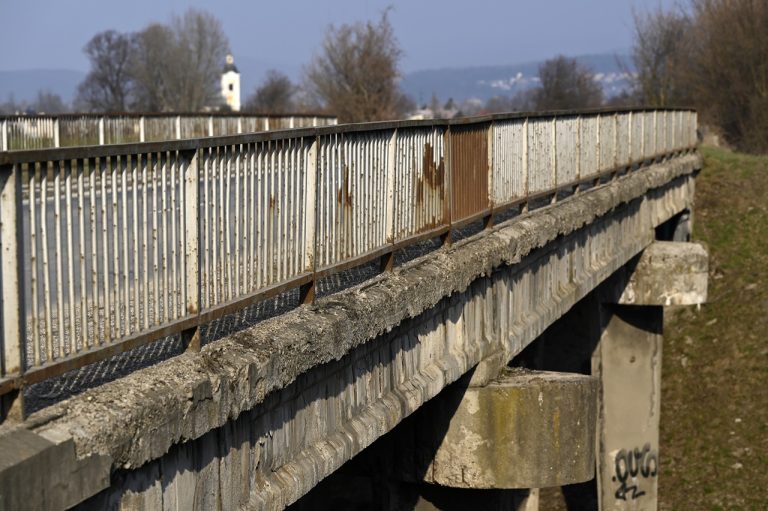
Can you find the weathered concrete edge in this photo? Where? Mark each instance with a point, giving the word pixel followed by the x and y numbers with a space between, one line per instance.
pixel 139 417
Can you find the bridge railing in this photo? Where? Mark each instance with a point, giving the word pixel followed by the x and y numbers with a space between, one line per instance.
pixel 19 132
pixel 106 248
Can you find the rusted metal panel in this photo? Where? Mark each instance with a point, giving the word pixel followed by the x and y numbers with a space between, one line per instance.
pixel 419 181
pixel 469 171
pixel 352 213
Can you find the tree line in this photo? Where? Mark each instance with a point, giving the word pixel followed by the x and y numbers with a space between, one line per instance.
pixel 709 54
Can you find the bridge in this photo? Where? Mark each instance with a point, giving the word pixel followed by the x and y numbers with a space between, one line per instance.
pixel 19 132
pixel 497 330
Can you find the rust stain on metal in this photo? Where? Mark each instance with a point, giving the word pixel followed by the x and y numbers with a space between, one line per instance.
pixel 469 171
pixel 344 196
pixel 432 174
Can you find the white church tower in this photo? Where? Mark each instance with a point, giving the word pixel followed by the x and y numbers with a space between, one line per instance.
pixel 230 84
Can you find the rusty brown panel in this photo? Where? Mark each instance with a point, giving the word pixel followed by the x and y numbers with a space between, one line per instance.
pixel 469 170
pixel 430 190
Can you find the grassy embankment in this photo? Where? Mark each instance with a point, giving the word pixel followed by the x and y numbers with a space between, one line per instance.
pixel 714 429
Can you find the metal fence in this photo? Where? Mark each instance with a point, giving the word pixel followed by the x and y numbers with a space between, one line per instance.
pixel 19 132
pixel 107 248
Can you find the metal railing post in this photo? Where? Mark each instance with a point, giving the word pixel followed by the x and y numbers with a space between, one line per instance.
pixel 291 122
pixel 447 238
pixel 4 135
pixel 266 124
pixel 178 127
pixel 307 291
pixel 142 130
pixel 578 155
pixel 101 130
pixel 193 290
pixel 554 160
pixel 526 187
pixel 488 220
pixel 56 133
pixel 387 262
pixel 14 323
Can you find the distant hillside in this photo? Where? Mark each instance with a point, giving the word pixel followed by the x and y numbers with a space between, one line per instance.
pixel 23 85
pixel 460 83
pixel 487 81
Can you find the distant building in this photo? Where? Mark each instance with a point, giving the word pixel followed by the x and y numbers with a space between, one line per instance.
pixel 230 84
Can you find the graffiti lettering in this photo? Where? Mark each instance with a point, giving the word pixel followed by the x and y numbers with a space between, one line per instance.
pixel 631 464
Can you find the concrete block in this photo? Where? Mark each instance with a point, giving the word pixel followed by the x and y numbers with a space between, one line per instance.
pixel 669 273
pixel 43 471
pixel 523 430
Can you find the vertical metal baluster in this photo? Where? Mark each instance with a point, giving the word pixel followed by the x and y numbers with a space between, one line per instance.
pixel 128 324
pixel 215 237
pixel 252 198
pixel 164 223
pixel 135 162
pixel 57 253
pixel 176 184
pixel 207 274
pixel 144 231
pixel 154 166
pixel 263 213
pixel 227 219
pixel 70 256
pixel 114 164
pixel 238 149
pixel 81 238
pixel 107 328
pixel 46 269
pixel 272 207
pixel 33 179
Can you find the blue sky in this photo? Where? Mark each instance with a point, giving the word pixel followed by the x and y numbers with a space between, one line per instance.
pixel 284 34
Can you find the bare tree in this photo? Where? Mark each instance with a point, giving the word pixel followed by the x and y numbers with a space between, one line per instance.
pixel 153 83
pixel 177 67
pixel 729 71
pixel 49 103
pixel 107 85
pixel 201 47
pixel 566 84
pixel 274 95
pixel 660 54
pixel 356 75
pixel 522 100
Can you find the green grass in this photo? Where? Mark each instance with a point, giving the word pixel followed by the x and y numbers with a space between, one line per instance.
pixel 714 429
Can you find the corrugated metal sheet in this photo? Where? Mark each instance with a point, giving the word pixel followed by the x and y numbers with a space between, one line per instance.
pixel 509 159
pixel 469 171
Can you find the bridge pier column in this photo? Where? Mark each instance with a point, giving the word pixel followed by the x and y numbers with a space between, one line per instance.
pixel 627 361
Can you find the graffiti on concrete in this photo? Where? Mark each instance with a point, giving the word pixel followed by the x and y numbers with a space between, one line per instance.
pixel 631 464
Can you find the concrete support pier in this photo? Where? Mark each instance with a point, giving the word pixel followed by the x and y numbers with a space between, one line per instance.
pixel 524 429
pixel 628 364
pixel 628 361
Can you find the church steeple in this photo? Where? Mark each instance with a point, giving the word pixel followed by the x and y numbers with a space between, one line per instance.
pixel 230 84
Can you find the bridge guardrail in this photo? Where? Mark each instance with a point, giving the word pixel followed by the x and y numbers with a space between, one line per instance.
pixel 21 132
pixel 105 248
